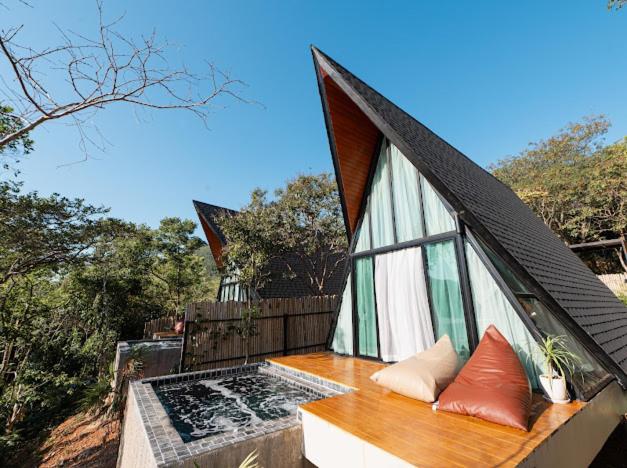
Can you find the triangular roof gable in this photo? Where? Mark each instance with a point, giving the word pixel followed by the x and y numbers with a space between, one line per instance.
pixel 492 210
pixel 208 214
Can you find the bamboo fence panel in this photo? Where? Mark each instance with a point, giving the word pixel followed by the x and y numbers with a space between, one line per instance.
pixel 285 326
pixel 616 282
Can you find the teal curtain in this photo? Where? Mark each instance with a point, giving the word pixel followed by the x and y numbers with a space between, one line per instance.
pixel 437 217
pixel 343 336
pixel 366 311
pixel 405 195
pixel 446 296
pixel 492 307
pixel 363 235
pixel 381 203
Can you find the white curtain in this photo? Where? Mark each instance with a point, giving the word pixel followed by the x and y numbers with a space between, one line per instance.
pixel 492 307
pixel 343 336
pixel 363 235
pixel 381 203
pixel 406 198
pixel 437 217
pixel 405 326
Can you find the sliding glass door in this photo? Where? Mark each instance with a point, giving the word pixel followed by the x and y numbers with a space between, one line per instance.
pixel 402 304
pixel 366 311
pixel 447 307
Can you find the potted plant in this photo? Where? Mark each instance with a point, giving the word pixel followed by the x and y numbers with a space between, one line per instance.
pixel 557 359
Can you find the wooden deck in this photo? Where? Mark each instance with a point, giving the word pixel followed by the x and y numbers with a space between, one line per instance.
pixel 410 429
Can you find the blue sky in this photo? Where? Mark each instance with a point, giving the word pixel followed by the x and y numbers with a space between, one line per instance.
pixel 489 77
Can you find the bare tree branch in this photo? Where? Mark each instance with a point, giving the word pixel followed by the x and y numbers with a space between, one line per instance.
pixel 102 70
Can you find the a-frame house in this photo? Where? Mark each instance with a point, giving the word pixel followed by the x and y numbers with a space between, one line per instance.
pixel 440 246
pixel 278 284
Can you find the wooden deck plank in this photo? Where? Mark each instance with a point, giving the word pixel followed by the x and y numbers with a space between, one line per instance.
pixel 410 429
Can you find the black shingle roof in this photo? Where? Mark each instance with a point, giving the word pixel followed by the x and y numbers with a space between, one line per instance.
pixel 495 212
pixel 280 284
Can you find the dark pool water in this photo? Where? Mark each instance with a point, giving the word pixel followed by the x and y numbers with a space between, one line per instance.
pixel 208 407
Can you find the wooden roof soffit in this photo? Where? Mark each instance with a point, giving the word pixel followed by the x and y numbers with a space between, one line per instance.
pixel 354 141
pixel 215 244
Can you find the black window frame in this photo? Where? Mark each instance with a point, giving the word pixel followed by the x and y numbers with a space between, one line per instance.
pixel 457 235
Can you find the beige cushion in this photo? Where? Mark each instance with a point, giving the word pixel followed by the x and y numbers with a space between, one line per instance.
pixel 424 375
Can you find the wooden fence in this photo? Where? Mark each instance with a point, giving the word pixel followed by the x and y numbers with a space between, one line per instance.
pixel 158 325
pixel 285 326
pixel 616 282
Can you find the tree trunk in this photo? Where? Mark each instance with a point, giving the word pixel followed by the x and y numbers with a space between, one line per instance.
pixel 17 413
pixel 6 358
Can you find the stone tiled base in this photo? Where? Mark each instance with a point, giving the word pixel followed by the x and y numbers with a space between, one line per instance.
pixel 166 443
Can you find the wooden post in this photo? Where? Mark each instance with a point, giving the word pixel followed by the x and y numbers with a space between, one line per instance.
pixel 285 333
pixel 185 332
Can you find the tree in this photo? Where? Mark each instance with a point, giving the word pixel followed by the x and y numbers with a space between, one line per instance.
pixel 41 231
pixel 36 233
pixel 575 183
pixel 39 238
pixel 74 283
pixel 82 75
pixel 311 228
pixel 10 124
pixel 249 246
pixel 178 268
pixel 302 223
pixel 615 4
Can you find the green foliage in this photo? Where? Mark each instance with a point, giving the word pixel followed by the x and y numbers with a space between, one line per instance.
pixel 623 298
pixel 10 123
pixel 576 184
pixel 615 4
pixel 208 260
pixel 557 357
pixel 176 265
pixel 246 327
pixel 73 283
pixel 38 232
pixel 303 221
pixel 249 236
pixel 133 370
pixel 94 395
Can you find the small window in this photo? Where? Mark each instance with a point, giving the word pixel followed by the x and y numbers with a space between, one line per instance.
pixel 380 203
pixel 406 195
pixel 437 217
pixel 363 235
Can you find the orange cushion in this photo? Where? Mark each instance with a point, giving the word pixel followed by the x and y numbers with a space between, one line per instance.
pixel 492 385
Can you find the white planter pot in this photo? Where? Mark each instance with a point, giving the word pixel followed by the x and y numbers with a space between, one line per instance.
pixel 554 388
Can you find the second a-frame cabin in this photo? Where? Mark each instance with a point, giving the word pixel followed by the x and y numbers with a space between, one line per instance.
pixel 278 283
pixel 438 246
